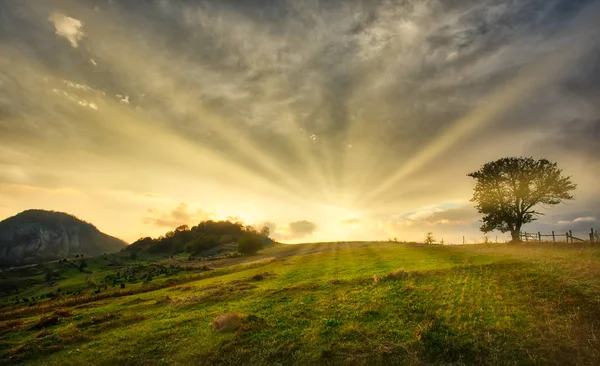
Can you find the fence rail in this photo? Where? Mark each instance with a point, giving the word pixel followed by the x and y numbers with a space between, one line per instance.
pixel 525 236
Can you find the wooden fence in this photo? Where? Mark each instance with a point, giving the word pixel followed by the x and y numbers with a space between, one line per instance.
pixel 525 236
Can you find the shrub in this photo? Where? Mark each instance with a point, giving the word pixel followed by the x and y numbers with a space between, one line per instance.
pixel 11 324
pixel 250 243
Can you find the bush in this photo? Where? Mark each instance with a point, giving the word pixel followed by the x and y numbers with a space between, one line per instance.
pixel 250 243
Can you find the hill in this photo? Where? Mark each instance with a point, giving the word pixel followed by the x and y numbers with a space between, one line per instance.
pixel 206 238
pixel 35 236
pixel 339 303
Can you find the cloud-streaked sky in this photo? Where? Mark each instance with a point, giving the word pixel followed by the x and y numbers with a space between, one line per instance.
pixel 324 120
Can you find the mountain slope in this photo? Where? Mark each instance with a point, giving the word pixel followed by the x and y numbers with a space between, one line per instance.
pixel 35 236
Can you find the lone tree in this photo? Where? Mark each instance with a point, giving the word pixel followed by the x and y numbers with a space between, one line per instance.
pixel 429 239
pixel 508 189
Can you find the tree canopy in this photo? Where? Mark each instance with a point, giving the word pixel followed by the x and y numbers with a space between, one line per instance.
pixel 508 190
pixel 202 237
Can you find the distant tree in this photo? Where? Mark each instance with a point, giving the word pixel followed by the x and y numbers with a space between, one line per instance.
pixel 508 189
pixel 429 239
pixel 250 243
pixel 265 231
pixel 182 228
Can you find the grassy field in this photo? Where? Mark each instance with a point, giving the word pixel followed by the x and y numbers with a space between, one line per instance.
pixel 337 303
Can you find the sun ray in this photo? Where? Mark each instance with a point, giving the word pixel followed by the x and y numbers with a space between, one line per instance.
pixel 176 93
pixel 530 79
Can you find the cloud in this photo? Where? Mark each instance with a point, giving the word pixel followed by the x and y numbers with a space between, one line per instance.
pixel 589 219
pixel 578 136
pixel 67 27
pixel 297 101
pixel 580 226
pixel 351 221
pixel 270 224
pixel 180 215
pixel 301 229
pixel 437 216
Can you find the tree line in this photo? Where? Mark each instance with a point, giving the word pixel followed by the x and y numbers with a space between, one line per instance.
pixel 205 236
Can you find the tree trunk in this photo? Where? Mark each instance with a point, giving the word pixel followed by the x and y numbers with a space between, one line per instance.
pixel 515 234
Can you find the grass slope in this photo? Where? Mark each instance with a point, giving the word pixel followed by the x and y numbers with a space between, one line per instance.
pixel 338 303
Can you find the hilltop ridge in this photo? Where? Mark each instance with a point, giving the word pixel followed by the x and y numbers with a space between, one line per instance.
pixel 35 236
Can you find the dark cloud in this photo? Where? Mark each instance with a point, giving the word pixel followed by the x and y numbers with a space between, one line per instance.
pixel 575 137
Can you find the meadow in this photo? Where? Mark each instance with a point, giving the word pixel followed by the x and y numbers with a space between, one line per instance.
pixel 327 303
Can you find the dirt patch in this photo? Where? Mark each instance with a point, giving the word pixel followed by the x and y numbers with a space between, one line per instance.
pixel 63 313
pixel 10 325
pixel 227 323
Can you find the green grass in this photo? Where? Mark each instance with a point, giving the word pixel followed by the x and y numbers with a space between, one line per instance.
pixel 338 303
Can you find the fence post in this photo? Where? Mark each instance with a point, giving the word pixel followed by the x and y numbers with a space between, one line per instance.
pixel 539 237
pixel 571 235
pixel 553 237
pixel 567 235
pixel 526 237
pixel 463 239
pixel 592 236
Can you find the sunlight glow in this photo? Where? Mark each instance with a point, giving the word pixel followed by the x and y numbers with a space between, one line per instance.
pixel 326 122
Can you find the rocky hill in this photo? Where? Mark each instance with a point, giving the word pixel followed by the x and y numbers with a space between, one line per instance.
pixel 35 236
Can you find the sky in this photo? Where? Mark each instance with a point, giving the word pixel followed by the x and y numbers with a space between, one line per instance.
pixel 323 120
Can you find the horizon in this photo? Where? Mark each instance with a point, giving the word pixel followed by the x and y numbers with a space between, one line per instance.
pixel 344 121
